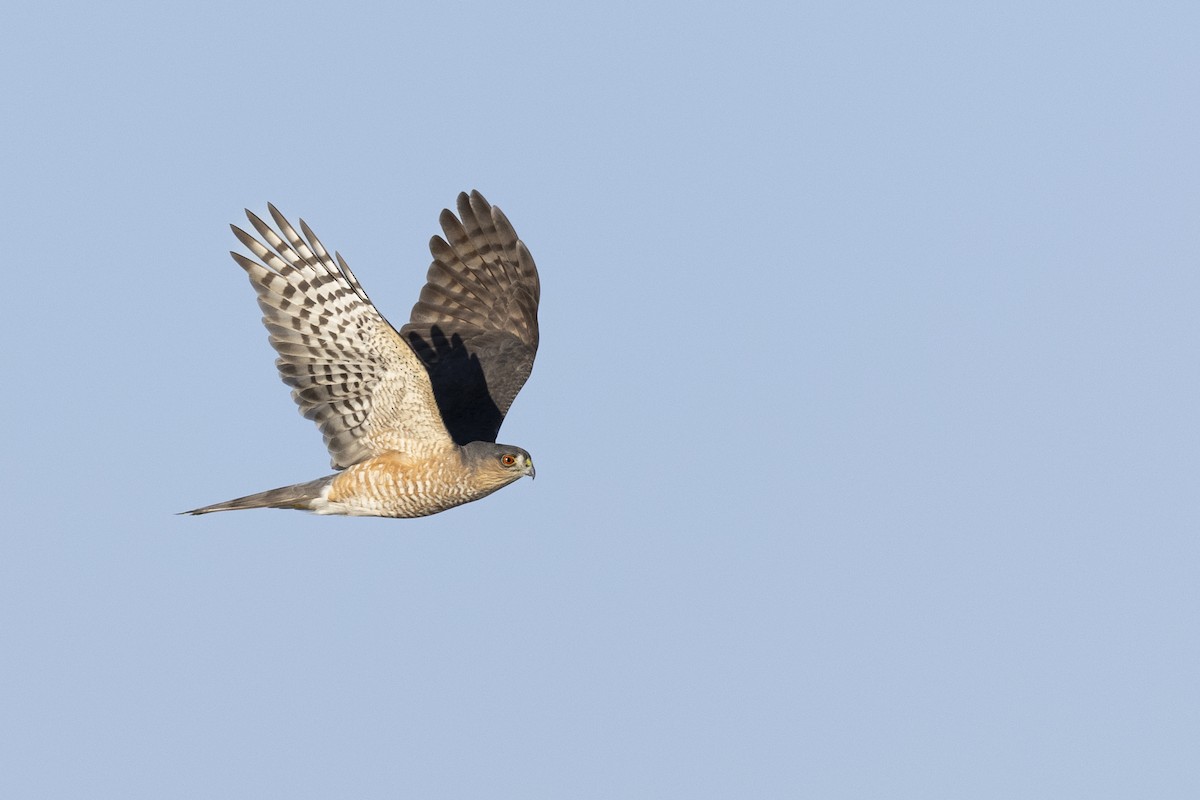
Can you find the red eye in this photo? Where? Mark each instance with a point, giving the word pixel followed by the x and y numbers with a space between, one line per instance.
pixel 508 459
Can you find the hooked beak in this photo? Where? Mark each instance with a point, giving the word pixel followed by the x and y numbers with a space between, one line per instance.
pixel 529 470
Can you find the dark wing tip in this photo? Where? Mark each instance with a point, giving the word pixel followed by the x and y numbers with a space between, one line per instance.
pixel 244 237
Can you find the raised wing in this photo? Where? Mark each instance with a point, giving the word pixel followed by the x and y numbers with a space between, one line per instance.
pixel 349 370
pixel 475 326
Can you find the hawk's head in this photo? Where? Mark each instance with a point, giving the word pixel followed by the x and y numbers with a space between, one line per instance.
pixel 496 465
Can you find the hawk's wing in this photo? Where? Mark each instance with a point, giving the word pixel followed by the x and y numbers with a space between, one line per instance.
pixel 475 326
pixel 349 370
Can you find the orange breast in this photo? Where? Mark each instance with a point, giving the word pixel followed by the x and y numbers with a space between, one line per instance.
pixel 396 484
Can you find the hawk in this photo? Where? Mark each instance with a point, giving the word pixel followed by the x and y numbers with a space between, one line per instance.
pixel 410 417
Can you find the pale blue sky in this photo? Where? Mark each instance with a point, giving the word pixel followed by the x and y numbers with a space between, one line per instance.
pixel 865 415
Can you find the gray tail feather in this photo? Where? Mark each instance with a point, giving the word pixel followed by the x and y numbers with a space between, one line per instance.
pixel 299 495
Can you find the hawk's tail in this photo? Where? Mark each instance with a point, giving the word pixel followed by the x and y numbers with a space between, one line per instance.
pixel 299 495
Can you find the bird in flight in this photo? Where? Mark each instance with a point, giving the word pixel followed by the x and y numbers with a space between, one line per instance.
pixel 410 416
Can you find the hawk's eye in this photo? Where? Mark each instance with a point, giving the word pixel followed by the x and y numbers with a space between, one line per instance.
pixel 508 459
